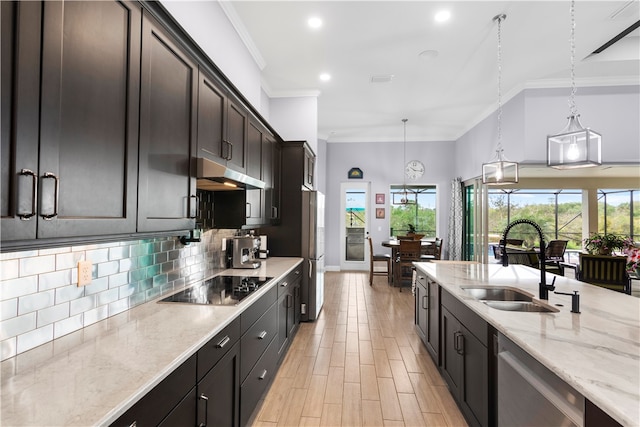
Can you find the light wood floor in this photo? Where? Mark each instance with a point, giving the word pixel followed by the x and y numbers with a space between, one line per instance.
pixel 360 364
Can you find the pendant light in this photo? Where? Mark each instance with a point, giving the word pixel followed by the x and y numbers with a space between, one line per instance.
pixel 499 170
pixel 404 195
pixel 575 146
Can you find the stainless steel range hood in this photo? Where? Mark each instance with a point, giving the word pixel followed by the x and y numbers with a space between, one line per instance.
pixel 213 176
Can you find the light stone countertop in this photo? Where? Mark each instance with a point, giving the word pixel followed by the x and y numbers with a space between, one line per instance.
pixel 92 376
pixel 596 351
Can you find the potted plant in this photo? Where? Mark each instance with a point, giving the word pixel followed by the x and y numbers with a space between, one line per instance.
pixel 603 243
pixel 632 251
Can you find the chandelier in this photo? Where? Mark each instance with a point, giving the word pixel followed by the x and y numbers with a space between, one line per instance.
pixel 499 170
pixel 405 195
pixel 575 146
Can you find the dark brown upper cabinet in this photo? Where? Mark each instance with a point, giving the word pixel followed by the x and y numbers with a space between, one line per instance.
pixel 222 124
pixel 69 150
pixel 168 108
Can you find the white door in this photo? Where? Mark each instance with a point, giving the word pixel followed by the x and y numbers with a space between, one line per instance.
pixel 354 221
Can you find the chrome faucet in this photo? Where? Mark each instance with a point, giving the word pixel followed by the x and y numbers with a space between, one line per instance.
pixel 543 287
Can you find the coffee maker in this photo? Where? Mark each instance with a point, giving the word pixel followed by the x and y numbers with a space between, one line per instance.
pixel 245 252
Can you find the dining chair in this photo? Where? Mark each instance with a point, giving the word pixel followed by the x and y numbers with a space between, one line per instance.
pixel 373 258
pixel 408 253
pixel 432 251
pixel 554 255
pixel 605 271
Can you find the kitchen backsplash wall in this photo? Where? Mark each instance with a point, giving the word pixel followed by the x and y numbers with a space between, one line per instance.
pixel 40 299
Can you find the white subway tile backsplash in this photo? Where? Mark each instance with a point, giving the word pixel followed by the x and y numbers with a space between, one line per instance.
pixel 8 348
pixel 56 279
pixel 9 269
pixel 8 308
pixel 34 302
pixel 67 293
pixel 17 325
pixel 68 325
pixel 95 315
pixel 18 287
pixel 119 306
pixel 108 268
pixel 40 300
pixel 37 265
pixel 68 260
pixel 34 338
pixel 53 314
pixel 107 296
pixel 81 305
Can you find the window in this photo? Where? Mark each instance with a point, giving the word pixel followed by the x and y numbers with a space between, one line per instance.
pixel 420 212
pixel 619 212
pixel 558 212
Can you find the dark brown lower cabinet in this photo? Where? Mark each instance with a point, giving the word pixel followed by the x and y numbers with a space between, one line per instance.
pixel 218 392
pixel 257 381
pixel 465 359
pixel 172 402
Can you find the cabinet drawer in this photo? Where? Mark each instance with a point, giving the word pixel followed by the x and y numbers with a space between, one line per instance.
pixel 257 309
pixel 217 347
pixel 156 404
pixel 256 340
pixel 256 383
pixel 286 284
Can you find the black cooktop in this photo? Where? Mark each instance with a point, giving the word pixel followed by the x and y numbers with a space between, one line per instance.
pixel 219 290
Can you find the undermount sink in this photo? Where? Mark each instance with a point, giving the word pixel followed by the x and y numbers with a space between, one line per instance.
pixel 498 294
pixel 526 306
pixel 509 299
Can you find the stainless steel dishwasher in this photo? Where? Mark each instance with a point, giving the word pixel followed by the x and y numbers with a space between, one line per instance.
pixel 529 394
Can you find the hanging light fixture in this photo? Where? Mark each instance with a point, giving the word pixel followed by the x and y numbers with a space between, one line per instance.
pixel 575 146
pixel 499 170
pixel 405 198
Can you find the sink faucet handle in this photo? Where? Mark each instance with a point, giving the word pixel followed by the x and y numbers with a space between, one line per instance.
pixel 575 300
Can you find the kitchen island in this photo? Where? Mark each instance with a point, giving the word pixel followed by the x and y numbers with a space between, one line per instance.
pixel 94 375
pixel 596 351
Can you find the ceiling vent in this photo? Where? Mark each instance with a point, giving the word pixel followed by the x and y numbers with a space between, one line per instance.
pixel 382 78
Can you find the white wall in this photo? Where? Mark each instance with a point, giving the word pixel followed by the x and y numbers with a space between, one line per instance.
pixel 534 113
pixel 296 119
pixel 382 164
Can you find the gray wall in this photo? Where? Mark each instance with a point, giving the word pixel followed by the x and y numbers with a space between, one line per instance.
pixel 382 164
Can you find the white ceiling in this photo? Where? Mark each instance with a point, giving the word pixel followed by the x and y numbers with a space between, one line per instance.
pixel 442 96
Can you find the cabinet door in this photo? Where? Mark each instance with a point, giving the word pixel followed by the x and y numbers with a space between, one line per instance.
pixel 255 197
pixel 475 387
pixel 21 23
pixel 167 192
pixel 89 118
pixel 433 321
pixel 421 308
pixel 451 351
pixel 219 392
pixel 273 213
pixel 211 118
pixel 236 135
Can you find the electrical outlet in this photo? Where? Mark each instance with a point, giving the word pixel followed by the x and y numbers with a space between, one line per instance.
pixel 84 273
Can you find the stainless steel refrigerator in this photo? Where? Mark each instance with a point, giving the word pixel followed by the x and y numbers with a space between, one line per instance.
pixel 312 239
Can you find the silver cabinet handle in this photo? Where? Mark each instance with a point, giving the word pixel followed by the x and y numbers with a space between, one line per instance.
pixel 264 374
pixel 424 298
pixel 34 194
pixel 224 341
pixel 193 208
pixel 229 150
pixel 274 212
pixel 284 284
pixel 248 210
pixel 262 335
pixel 49 175
pixel 206 409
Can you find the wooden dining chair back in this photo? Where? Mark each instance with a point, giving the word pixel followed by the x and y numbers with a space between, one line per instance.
pixel 555 251
pixel 605 271
pixel 378 258
pixel 432 251
pixel 409 252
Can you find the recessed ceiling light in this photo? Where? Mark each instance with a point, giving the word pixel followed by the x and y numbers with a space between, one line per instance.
pixel 314 22
pixel 442 16
pixel 325 77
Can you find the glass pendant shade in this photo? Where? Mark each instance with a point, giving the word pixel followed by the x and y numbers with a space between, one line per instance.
pixel 499 171
pixel 574 147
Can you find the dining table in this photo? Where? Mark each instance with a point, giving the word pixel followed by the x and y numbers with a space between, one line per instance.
pixel 394 244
